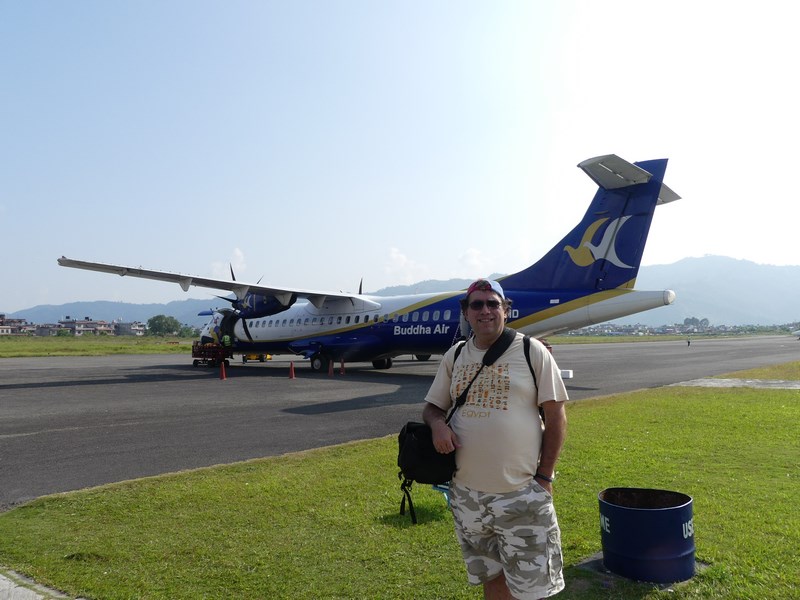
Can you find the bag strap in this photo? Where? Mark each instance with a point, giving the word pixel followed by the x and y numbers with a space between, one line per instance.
pixel 527 346
pixel 495 351
pixel 499 347
pixel 462 397
pixel 405 487
pixel 458 350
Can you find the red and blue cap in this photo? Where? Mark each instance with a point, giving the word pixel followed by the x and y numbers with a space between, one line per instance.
pixel 485 285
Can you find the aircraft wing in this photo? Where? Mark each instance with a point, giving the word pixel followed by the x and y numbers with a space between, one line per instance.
pixel 239 288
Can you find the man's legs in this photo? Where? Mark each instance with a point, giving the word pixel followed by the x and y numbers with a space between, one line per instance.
pixel 512 538
pixel 497 589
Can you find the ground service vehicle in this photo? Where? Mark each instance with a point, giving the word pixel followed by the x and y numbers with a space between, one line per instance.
pixel 210 354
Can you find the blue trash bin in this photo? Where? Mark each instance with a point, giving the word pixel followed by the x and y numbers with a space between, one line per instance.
pixel 647 535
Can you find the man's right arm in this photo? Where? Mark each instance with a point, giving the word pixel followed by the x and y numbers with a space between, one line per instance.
pixel 444 439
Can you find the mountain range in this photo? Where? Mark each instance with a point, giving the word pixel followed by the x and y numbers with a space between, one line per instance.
pixel 725 291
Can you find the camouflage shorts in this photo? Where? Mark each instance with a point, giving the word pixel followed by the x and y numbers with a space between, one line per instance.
pixel 516 533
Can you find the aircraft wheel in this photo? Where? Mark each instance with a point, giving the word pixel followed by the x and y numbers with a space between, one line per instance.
pixel 262 358
pixel 195 362
pixel 422 357
pixel 382 363
pixel 319 362
pixel 244 359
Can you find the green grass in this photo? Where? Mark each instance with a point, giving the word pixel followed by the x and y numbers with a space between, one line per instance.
pixel 787 372
pixel 90 345
pixel 557 340
pixel 325 523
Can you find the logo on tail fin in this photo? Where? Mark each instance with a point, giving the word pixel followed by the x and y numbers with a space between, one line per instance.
pixel 587 253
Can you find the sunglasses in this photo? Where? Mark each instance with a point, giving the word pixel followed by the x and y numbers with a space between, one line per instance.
pixel 478 304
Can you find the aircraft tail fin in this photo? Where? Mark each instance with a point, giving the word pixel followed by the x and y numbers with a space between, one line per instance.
pixel 605 249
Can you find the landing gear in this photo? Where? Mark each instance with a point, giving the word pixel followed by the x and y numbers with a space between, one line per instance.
pixel 422 357
pixel 382 363
pixel 320 362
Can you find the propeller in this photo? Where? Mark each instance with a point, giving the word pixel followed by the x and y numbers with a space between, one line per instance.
pixel 233 302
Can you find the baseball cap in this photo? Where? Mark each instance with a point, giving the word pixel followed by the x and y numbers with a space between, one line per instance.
pixel 485 285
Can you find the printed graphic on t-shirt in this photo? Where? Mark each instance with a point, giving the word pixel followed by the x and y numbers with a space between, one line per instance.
pixel 490 390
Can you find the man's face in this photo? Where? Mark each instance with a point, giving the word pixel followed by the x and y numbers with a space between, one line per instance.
pixel 486 314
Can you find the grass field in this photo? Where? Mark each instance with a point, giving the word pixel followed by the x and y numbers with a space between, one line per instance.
pixel 86 345
pixel 326 523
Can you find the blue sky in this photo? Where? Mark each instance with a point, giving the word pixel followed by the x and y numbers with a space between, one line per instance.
pixel 314 143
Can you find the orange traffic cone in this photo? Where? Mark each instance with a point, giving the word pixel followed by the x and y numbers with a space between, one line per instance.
pixel 291 371
pixel 222 370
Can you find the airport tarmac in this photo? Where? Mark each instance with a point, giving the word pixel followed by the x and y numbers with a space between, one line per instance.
pixel 67 423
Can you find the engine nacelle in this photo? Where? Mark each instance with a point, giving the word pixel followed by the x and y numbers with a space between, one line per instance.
pixel 258 305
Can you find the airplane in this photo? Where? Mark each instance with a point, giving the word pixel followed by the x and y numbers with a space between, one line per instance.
pixel 586 278
pixel 797 333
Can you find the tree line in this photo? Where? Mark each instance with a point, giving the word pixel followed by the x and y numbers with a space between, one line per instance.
pixel 162 325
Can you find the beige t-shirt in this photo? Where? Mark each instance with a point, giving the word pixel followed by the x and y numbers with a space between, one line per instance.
pixel 498 426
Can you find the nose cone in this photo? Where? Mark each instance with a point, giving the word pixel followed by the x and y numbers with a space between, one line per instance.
pixel 669 297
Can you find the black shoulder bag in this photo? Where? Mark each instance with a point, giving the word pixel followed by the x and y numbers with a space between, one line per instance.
pixel 417 458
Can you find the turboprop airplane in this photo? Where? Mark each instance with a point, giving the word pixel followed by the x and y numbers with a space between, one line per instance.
pixel 586 278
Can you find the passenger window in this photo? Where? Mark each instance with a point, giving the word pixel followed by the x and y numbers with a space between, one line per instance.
pixel 436 314
pixel 415 316
pixel 284 323
pixel 347 320
pixel 426 315
pixel 395 317
pixel 339 320
pixel 447 315
pixel 405 317
pixel 358 317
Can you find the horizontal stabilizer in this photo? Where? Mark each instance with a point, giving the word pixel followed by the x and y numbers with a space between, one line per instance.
pixel 666 195
pixel 611 172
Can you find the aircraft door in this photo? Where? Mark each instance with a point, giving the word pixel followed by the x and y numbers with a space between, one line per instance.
pixel 227 324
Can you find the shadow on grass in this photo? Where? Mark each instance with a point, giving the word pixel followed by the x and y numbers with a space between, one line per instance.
pixel 590 579
pixel 426 511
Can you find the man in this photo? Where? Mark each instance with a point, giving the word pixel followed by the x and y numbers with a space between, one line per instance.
pixel 501 493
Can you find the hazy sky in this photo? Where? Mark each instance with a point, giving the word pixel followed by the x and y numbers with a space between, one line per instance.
pixel 313 143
